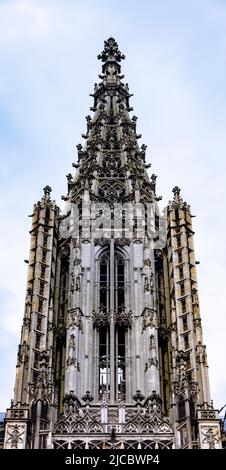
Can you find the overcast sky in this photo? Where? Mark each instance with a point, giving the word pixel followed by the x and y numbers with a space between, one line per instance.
pixel 176 67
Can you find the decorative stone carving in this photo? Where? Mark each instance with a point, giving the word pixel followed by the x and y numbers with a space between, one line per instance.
pixel 149 283
pixel 210 436
pixel 122 241
pixel 74 318
pixel 113 418
pixel 101 318
pixel 61 332
pixel 72 423
pixel 149 318
pixel 71 403
pixel 111 51
pixel 148 420
pixel 138 397
pixel 78 283
pixel 208 414
pixel 152 342
pixel 17 413
pixel 201 355
pixel 123 318
pixel 197 322
pixel 47 190
pixel 186 389
pixel 102 241
pixel 153 361
pixel 42 387
pixel 87 398
pixel 147 262
pixel 195 299
pixel 15 436
pixel 72 361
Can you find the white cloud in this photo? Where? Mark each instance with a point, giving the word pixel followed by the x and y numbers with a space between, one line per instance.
pixel 24 20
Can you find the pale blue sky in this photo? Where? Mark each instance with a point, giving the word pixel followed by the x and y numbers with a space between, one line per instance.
pixel 176 67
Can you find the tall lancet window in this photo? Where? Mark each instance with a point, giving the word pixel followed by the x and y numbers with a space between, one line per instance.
pixel 104 333
pixel 119 305
pixel 119 264
pixel 105 276
pixel 111 329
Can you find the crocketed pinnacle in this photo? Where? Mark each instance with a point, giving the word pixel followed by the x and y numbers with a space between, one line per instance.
pixel 111 151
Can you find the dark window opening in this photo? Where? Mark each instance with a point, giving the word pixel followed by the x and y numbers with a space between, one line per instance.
pixel 36 358
pixel 179 257
pixel 44 255
pixel 189 375
pixel 45 240
pixel 182 289
pixel 104 283
pixel 47 214
pixel 176 214
pixel 178 241
pixel 38 341
pixel 181 273
pixel 40 305
pixel 33 409
pixel 39 323
pixel 43 270
pixel 119 283
pixel 112 280
pixel 121 370
pixel 181 409
pixel 104 365
pixel 185 323
pixel 186 341
pixel 35 376
pixel 192 409
pixel 44 412
pixel 41 289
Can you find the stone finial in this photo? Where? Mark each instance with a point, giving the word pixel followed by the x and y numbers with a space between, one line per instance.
pixel 178 201
pixel 138 397
pixel 143 147
pixel 71 402
pixel 154 403
pixel 176 191
pixel 69 177
pixel 87 398
pixel 153 178
pixel 79 147
pixel 47 190
pixel 111 51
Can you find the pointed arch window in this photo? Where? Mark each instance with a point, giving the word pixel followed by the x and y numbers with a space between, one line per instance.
pixel 104 282
pixel 119 275
pixel 111 334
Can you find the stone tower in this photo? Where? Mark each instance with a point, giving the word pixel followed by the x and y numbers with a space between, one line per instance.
pixel 111 352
